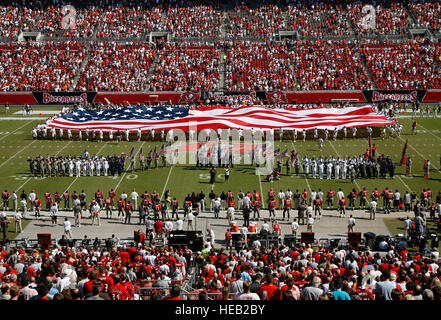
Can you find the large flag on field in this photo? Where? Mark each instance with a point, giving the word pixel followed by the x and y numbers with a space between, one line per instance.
pixel 213 117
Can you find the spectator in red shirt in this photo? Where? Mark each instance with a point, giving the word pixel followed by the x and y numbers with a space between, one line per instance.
pixel 268 289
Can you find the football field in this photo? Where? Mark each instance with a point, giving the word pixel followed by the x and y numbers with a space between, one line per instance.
pixel 17 145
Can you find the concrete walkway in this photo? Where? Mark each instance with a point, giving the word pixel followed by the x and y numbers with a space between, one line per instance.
pixel 329 226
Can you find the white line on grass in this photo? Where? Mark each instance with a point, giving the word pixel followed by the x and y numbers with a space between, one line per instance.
pixel 15 130
pixel 430 133
pixel 26 146
pixel 404 183
pixel 420 154
pixel 125 171
pixel 306 179
pixel 166 182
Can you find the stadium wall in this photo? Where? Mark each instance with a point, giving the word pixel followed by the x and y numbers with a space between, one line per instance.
pixel 18 98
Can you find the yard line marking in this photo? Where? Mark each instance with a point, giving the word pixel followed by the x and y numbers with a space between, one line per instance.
pixel 355 181
pixel 166 182
pixel 16 130
pixel 26 146
pixel 430 133
pixel 420 154
pixel 404 183
pixel 125 171
pixel 307 182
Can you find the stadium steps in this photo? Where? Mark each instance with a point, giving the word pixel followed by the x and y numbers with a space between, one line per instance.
pixel 86 58
pixel 221 53
pixel 151 72
pixel 366 69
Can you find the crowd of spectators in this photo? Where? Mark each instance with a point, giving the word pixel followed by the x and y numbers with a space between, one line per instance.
pixel 318 19
pixel 259 67
pixel 126 18
pixel 185 69
pixel 263 22
pixel 90 271
pixel 404 66
pixel 116 67
pixel 391 18
pixel 127 22
pixel 50 67
pixel 194 21
pixel 323 273
pixel 427 14
pixel 328 65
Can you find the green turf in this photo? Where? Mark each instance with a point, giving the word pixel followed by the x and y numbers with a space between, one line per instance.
pixel 16 145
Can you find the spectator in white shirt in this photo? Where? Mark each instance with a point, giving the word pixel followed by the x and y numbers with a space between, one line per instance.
pixel 17 218
pixel 294 227
pixel 14 201
pixel 32 197
pixel 134 197
pixel 309 223
pixel 54 213
pixel 67 228
pixel 23 207
pixel 340 194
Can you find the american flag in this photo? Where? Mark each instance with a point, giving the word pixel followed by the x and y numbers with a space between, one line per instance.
pixel 170 117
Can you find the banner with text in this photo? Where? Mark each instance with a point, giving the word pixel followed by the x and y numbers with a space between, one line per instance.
pixel 394 95
pixel 64 97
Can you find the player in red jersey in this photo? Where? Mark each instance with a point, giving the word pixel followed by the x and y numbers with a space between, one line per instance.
pixel 231 203
pixel 363 198
pixel 287 203
pixel 155 196
pixel 375 195
pixel 48 200
pixel 156 210
pixel 108 203
pixel 256 195
pixel 342 206
pixel 271 194
pixel 112 195
pixel 128 208
pixel 121 206
pixel 99 197
pixel 318 203
pixel 389 196
pixel 66 197
pixel 305 195
pixel 257 204
pixel 352 196
pixel 272 208
pixel 175 207
pixel 145 205
pixel 57 198
pixel 37 207
pixel 384 194
pixel 330 198
pixel 5 197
